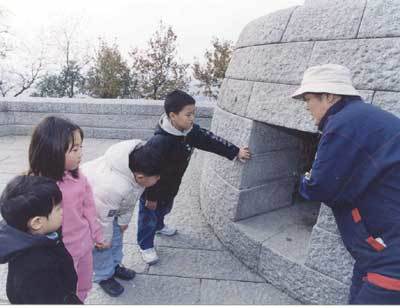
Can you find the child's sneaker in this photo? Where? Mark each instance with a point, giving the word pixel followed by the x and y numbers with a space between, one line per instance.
pixel 149 256
pixel 168 231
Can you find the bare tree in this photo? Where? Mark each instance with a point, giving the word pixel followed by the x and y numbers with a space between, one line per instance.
pixel 67 78
pixel 16 80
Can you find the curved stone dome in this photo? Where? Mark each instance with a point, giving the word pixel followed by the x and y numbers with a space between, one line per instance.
pixel 251 206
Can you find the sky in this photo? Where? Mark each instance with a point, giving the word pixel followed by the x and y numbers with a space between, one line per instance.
pixel 131 23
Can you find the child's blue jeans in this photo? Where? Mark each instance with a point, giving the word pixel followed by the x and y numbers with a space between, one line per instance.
pixel 105 261
pixel 149 221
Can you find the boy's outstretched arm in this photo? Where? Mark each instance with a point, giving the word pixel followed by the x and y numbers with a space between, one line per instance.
pixel 205 140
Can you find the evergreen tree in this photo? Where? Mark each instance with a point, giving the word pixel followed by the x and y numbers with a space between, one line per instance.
pixel 109 77
pixel 211 74
pixel 156 70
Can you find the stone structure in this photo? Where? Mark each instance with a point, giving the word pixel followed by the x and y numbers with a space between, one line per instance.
pixel 100 118
pixel 251 206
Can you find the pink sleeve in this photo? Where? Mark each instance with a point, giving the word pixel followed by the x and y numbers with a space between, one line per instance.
pixel 89 212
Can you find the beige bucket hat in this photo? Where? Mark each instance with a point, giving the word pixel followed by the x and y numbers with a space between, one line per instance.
pixel 327 78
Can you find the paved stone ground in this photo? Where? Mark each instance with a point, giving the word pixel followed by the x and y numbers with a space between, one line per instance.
pixel 194 267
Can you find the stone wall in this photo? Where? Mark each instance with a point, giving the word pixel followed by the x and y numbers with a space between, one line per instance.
pixel 255 108
pixel 99 118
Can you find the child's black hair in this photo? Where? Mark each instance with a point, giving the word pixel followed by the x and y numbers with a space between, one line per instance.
pixel 176 101
pixel 49 144
pixel 144 159
pixel 26 197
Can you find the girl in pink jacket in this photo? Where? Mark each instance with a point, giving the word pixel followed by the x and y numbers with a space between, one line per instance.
pixel 55 151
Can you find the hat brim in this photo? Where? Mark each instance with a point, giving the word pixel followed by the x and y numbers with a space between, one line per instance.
pixel 332 88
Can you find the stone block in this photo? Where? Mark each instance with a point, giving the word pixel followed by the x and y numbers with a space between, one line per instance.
pixel 7 130
pixel 93 120
pixel 3 277
pixel 245 248
pixel 326 220
pixel 222 292
pixel 261 138
pixel 116 133
pixel 6 118
pixel 37 105
pixel 270 166
pixel 324 21
pixel 374 63
pixel 203 122
pixel 204 109
pixel 231 127
pixel 224 197
pixel 109 108
pixel 381 19
pixel 275 63
pixel 327 255
pixel 270 225
pixel 234 96
pixel 299 281
pixel 23 130
pixel 201 264
pixel 272 104
pixel 292 242
pixel 389 101
pixel 3 105
pixel 150 108
pixel 239 204
pixel 266 29
pixel 267 138
pixel 273 195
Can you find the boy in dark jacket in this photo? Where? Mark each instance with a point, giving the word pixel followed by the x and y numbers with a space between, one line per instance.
pixel 175 138
pixel 40 269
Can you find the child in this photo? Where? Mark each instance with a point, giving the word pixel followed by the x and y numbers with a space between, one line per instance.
pixel 40 269
pixel 55 151
pixel 175 138
pixel 118 179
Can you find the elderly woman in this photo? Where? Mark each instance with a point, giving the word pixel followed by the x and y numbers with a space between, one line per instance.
pixel 356 172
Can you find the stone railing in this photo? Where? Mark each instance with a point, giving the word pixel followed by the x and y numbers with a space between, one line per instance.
pixel 99 118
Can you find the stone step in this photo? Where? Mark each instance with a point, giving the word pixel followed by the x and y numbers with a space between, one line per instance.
pixel 285 231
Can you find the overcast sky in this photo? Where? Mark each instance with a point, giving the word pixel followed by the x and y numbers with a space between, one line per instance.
pixel 132 22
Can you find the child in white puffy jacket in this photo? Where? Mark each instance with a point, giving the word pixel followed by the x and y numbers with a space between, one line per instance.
pixel 118 178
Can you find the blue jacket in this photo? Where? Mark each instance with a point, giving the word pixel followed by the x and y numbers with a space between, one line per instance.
pixel 356 172
pixel 40 269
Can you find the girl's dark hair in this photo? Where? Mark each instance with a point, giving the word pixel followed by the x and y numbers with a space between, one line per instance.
pixel 49 143
pixel 176 101
pixel 144 159
pixel 26 197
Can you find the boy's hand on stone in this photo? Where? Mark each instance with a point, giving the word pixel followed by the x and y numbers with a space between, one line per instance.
pixel 123 228
pixel 244 154
pixel 151 205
